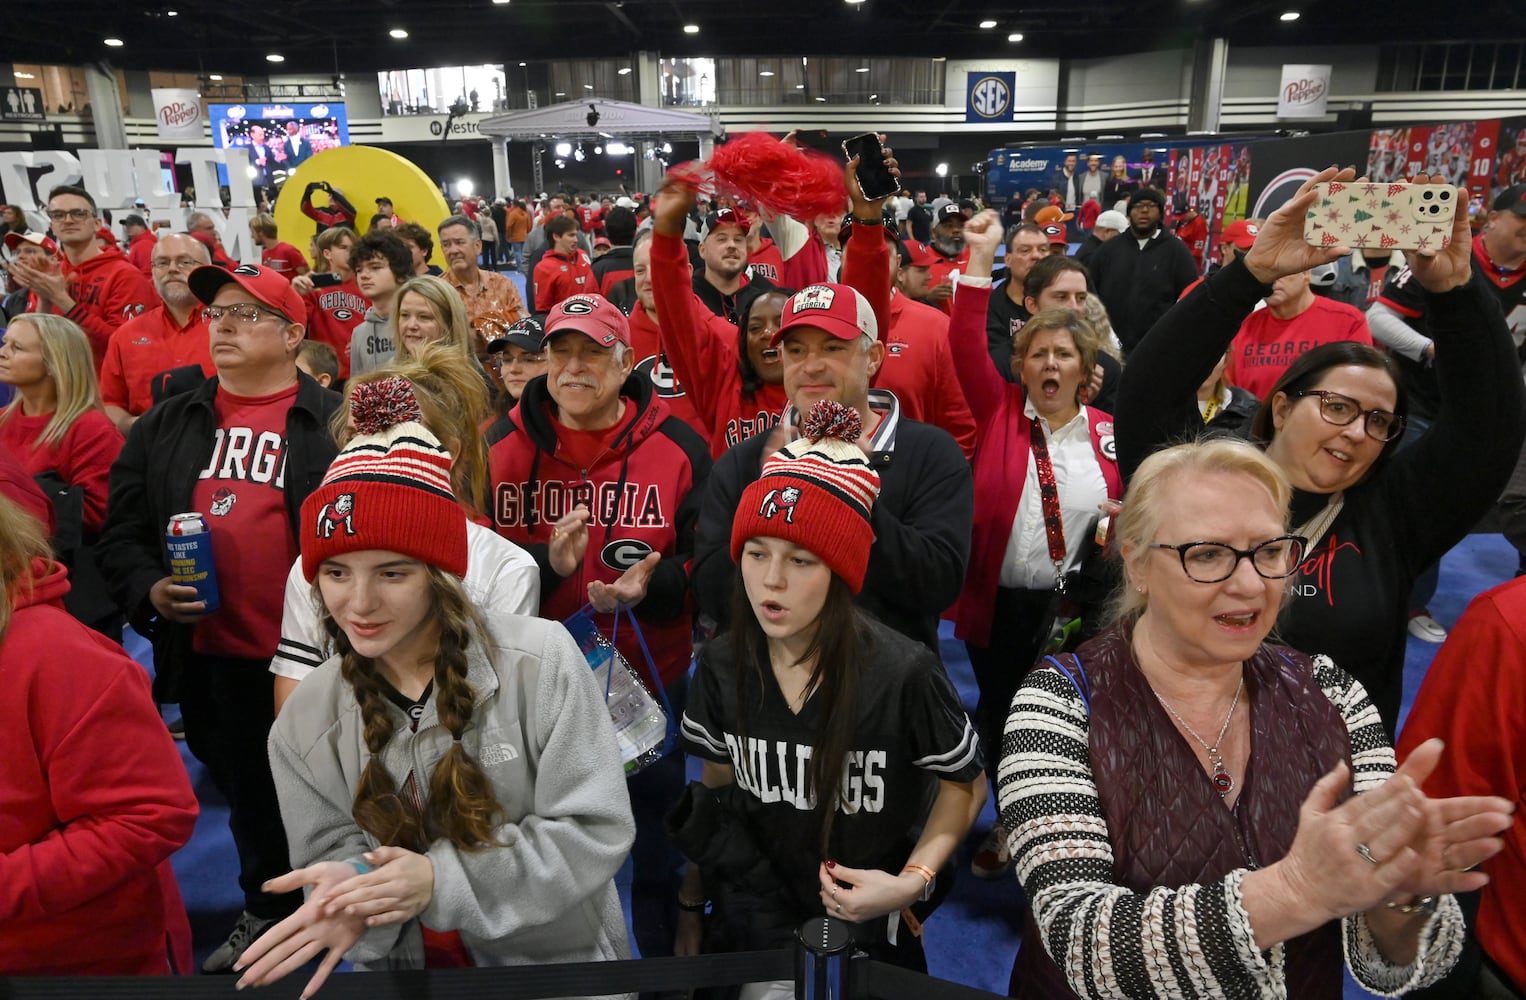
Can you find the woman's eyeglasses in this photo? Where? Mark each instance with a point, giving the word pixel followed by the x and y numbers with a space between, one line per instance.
pixel 1212 562
pixel 1343 410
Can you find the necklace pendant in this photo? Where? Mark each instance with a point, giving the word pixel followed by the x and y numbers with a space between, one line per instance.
pixel 1222 781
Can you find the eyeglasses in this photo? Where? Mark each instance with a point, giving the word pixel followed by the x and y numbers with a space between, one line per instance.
pixel 246 313
pixel 498 362
pixel 1342 410
pixel 1212 562
pixel 72 214
pixel 178 264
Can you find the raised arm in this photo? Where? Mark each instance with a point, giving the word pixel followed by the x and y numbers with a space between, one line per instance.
pixel 983 386
pixel 1157 398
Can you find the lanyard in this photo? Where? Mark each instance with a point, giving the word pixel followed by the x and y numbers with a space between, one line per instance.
pixel 1049 495
pixel 1211 408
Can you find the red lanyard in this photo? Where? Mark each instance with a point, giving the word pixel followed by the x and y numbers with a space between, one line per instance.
pixel 1049 495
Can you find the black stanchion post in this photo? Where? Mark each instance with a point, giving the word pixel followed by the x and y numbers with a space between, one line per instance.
pixel 821 960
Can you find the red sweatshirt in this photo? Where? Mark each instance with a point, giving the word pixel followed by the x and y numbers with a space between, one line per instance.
pixel 918 365
pixel 703 348
pixel 83 458
pixel 560 276
pixel 333 313
pixel 107 291
pixel 140 251
pixel 96 799
pixel 651 361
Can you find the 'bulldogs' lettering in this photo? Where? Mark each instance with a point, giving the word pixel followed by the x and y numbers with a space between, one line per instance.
pixel 778 771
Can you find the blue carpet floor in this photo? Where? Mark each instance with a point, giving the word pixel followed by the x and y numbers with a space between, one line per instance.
pixel 974 935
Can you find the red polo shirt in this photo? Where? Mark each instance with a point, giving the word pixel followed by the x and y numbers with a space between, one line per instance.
pixel 143 347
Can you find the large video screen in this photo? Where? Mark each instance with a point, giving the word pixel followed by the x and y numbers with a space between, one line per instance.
pixel 279 137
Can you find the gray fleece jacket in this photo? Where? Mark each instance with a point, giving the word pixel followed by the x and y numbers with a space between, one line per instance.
pixel 372 344
pixel 542 734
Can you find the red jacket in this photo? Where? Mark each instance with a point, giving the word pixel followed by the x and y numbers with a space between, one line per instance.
pixel 1001 461
pixel 83 458
pixel 140 251
pixel 941 272
pixel 767 263
pixel 644 491
pixel 1194 233
pixel 107 291
pixel 703 349
pixel 917 367
pixel 653 362
pixel 96 799
pixel 560 276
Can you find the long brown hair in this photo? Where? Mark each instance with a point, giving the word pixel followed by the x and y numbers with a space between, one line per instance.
pixel 460 805
pixel 841 648
pixel 23 540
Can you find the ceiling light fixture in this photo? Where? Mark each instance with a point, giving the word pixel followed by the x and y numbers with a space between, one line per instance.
pixel 862 69
pixel 988 24
pixel 1291 15
pixel 587 86
pixel 561 93
pixel 172 13
pixel 215 77
pixel 398 33
pixel 115 43
pixel 799 86
pixel 765 72
pixel 821 100
pixel 24 76
pixel 691 29
pixel 623 70
pixel 521 64
pixel 1016 36
pixel 500 3
pixel 275 57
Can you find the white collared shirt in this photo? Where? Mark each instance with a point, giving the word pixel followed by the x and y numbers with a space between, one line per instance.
pixel 1078 477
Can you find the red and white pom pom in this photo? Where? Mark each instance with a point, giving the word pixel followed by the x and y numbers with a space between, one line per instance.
pixel 831 419
pixel 383 404
pixel 759 170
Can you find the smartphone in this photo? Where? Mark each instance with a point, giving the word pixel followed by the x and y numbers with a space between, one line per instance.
pixel 325 279
pixel 876 181
pixel 1398 216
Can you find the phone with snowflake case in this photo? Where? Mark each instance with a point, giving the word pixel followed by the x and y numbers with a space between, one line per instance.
pixel 1372 216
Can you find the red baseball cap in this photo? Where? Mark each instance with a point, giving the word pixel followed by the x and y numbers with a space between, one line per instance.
pixel 915 254
pixel 1242 233
pixel 594 316
pixel 840 310
pixel 268 287
pixel 1055 232
pixel 14 240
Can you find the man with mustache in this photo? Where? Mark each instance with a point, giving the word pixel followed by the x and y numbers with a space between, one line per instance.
pixel 949 255
pixel 591 477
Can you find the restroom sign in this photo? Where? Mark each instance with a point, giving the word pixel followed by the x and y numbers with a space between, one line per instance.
pixel 989 97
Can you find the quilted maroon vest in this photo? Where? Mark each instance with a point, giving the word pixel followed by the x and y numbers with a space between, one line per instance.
pixel 1167 824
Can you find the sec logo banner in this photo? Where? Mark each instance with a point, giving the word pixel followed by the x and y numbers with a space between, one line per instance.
pixel 990 97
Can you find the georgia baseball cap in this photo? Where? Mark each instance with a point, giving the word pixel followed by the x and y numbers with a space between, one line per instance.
pixel 726 217
pixel 1055 232
pixel 1241 233
pixel 594 316
pixel 840 310
pixel 526 334
pixel 268 287
pixel 914 254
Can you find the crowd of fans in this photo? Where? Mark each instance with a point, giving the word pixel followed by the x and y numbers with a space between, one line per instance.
pixel 762 457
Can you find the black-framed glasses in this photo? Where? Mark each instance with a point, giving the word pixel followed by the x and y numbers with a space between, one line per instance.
pixel 245 312
pixel 1342 410
pixel 1213 562
pixel 74 214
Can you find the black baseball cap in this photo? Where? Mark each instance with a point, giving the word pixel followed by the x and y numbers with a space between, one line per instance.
pixel 526 335
pixel 1512 199
pixel 949 212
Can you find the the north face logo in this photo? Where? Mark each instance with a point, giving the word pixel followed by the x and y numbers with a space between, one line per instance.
pixel 780 501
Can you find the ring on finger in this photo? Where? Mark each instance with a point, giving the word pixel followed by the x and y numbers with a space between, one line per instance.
pixel 1366 853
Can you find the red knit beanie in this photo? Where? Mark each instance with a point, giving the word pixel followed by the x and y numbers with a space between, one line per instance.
pixel 388 489
pixel 816 492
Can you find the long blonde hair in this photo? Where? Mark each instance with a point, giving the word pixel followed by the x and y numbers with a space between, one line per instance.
pixel 71 366
pixel 23 539
pixel 453 403
pixel 448 312
pixel 1161 475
